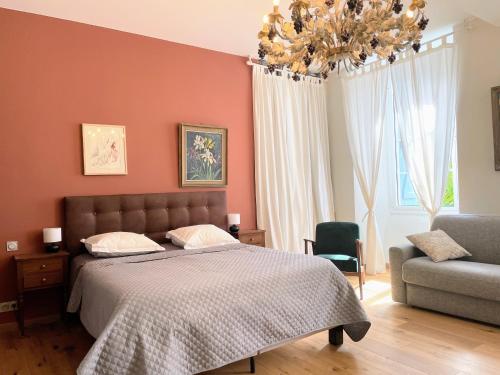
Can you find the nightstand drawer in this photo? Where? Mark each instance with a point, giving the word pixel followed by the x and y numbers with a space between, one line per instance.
pixel 42 265
pixel 253 241
pixel 41 279
pixel 256 239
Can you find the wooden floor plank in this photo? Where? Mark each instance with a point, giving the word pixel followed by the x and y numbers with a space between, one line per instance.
pixel 402 340
pixel 35 356
pixel 12 361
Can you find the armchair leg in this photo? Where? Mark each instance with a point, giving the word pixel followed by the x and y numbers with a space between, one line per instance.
pixel 361 282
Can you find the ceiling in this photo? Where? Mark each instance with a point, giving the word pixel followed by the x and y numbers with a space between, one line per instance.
pixel 222 25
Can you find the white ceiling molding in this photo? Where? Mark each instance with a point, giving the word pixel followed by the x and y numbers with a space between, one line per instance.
pixel 222 25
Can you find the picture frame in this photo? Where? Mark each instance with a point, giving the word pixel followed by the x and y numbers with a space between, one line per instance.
pixel 202 156
pixel 495 106
pixel 104 150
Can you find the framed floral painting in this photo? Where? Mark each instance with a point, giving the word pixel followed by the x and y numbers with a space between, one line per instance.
pixel 202 156
pixel 104 150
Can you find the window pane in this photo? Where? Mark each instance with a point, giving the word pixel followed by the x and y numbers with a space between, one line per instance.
pixel 401 160
pixel 406 193
pixel 407 196
pixel 449 193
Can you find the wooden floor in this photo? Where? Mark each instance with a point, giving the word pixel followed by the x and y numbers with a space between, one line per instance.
pixel 402 340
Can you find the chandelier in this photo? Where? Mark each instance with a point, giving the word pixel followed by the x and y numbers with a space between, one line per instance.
pixel 323 34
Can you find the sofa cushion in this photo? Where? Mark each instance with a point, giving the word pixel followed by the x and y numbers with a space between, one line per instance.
pixel 467 278
pixel 438 245
pixel 480 235
pixel 344 263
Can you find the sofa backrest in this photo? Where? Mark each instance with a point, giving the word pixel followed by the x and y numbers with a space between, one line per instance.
pixel 480 235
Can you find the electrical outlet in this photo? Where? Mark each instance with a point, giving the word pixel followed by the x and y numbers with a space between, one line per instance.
pixel 12 246
pixel 8 306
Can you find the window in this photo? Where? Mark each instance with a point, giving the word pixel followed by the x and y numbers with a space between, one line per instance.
pixel 406 194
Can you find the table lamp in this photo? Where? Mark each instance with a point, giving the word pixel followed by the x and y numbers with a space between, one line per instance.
pixel 234 224
pixel 52 238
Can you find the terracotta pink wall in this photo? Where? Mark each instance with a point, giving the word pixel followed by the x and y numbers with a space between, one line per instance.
pixel 55 75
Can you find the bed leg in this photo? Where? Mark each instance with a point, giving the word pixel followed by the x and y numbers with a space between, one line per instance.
pixel 335 336
pixel 252 365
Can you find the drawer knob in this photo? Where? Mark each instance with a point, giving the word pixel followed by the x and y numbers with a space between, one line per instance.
pixel 44 280
pixel 43 266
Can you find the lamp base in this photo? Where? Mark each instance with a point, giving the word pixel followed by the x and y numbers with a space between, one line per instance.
pixel 52 247
pixel 234 230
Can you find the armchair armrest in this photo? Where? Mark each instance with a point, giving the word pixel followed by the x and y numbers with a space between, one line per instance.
pixel 306 247
pixel 359 252
pixel 397 257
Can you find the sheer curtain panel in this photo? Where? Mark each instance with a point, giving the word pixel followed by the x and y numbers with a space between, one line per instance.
pixel 365 103
pixel 292 166
pixel 425 92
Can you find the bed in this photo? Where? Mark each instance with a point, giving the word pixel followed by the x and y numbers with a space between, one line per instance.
pixel 189 311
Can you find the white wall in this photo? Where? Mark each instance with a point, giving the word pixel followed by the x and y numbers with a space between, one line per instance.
pixel 480 71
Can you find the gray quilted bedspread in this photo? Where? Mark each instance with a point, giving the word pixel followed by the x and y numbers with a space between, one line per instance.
pixel 187 311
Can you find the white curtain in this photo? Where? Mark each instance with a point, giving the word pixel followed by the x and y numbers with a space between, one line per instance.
pixel 292 166
pixel 425 91
pixel 365 102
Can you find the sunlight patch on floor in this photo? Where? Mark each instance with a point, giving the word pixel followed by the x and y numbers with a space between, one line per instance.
pixel 375 292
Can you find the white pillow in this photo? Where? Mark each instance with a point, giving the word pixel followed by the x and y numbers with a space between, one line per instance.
pixel 200 236
pixel 120 244
pixel 438 245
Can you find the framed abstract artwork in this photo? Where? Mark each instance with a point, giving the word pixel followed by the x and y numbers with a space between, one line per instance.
pixel 104 150
pixel 495 103
pixel 202 156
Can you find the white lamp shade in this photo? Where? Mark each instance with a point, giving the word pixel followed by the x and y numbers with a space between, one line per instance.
pixel 233 219
pixel 51 235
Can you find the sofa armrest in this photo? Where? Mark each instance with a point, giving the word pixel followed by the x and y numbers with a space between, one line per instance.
pixel 397 257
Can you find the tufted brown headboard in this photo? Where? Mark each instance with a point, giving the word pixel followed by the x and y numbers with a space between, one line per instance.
pixel 149 214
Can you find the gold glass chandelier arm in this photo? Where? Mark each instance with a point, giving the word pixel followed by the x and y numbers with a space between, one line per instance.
pixel 279 33
pixel 390 5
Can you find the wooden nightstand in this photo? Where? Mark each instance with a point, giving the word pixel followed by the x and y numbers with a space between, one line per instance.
pixel 255 237
pixel 37 272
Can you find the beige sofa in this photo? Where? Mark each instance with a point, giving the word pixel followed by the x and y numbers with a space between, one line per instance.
pixel 468 287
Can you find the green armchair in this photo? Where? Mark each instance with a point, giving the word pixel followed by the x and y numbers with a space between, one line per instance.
pixel 339 242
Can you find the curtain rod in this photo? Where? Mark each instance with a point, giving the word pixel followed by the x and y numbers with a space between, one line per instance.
pixel 426 47
pixel 254 61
